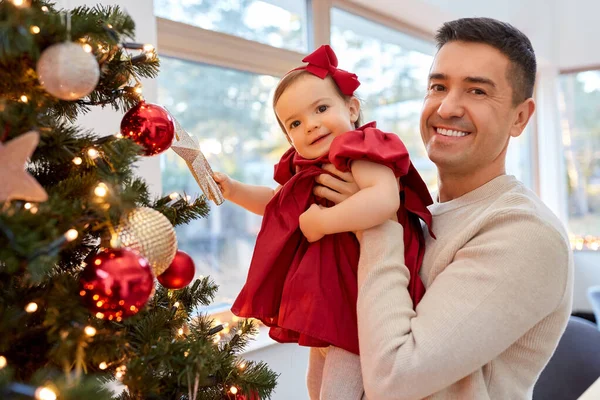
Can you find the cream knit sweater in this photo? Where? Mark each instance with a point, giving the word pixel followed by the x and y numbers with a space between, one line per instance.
pixel 498 295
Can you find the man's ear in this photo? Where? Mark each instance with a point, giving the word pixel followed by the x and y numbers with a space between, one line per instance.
pixel 354 108
pixel 524 112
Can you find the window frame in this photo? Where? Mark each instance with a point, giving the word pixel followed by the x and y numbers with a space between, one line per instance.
pixel 577 240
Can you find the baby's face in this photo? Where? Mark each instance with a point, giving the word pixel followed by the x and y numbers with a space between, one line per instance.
pixel 313 114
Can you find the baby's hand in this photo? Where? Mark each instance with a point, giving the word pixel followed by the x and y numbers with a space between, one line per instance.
pixel 310 223
pixel 225 183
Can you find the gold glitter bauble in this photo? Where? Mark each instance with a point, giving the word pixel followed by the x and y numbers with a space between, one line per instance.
pixel 151 234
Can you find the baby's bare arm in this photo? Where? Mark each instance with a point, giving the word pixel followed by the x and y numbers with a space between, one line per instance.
pixel 377 200
pixel 253 198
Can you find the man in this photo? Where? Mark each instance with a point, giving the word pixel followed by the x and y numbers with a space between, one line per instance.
pixel 498 277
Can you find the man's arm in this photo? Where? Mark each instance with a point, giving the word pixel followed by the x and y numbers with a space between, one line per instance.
pixel 474 310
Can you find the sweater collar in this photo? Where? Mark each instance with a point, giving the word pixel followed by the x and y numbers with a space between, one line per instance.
pixel 494 187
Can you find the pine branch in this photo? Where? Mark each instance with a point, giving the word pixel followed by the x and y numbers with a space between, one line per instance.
pixel 181 211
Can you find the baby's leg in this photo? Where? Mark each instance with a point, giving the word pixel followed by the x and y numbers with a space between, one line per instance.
pixel 342 378
pixel 314 374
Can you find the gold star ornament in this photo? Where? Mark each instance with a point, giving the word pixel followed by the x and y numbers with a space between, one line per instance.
pixel 188 148
pixel 15 182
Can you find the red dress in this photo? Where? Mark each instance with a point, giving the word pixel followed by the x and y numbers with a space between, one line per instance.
pixel 306 292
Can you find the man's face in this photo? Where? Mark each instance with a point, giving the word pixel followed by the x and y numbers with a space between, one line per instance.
pixel 468 115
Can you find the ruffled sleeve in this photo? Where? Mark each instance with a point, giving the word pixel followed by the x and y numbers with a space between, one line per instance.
pixel 285 169
pixel 371 144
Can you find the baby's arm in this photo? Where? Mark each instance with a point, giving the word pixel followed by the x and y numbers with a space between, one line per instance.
pixel 253 198
pixel 377 200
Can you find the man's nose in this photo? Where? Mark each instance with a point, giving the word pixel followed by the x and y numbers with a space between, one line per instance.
pixel 451 106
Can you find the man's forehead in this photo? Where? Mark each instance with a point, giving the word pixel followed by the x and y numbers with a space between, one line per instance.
pixel 461 60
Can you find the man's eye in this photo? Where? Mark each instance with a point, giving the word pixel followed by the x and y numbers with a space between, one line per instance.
pixel 322 108
pixel 436 87
pixel 478 92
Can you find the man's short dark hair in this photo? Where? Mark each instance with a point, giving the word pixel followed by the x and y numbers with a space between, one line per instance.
pixel 507 39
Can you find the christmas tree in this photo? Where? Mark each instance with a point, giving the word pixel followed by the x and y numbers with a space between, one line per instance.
pixel 81 239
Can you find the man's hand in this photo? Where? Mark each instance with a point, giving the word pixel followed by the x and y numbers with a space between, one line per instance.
pixel 335 188
pixel 311 223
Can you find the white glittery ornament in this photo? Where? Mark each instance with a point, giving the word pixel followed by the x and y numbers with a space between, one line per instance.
pixel 67 71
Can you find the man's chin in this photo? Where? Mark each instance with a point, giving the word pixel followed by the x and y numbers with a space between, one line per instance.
pixel 449 164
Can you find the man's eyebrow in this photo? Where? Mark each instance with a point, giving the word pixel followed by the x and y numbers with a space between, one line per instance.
pixel 314 103
pixel 470 79
pixel 480 80
pixel 437 76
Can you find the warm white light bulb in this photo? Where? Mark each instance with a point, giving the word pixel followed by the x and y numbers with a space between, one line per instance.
pixel 102 365
pixel 31 307
pixel 90 331
pixel 71 235
pixel 93 153
pixel 3 362
pixel 101 190
pixel 77 161
pixel 87 48
pixel 24 99
pixel 44 393
pixel 233 390
pixel 34 29
pixel 174 195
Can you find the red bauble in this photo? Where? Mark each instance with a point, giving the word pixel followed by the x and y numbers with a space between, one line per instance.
pixel 252 396
pixel 116 283
pixel 150 126
pixel 180 273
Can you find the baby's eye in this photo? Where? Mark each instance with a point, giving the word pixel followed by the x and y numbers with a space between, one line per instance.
pixel 322 108
pixel 295 124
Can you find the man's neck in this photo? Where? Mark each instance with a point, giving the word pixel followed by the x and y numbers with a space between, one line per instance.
pixel 453 186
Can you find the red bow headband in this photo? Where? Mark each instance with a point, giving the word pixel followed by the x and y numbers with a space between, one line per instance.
pixel 323 62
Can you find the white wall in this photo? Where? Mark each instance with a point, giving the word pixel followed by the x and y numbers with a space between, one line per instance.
pixel 290 361
pixel 536 18
pixel 579 38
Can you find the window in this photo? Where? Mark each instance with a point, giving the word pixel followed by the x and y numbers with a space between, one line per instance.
pixel 226 105
pixel 279 23
pixel 580 111
pixel 519 156
pixel 230 114
pixel 393 68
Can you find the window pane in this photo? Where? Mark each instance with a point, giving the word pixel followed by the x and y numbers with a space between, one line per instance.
pixel 392 68
pixel 518 157
pixel 580 109
pixel 276 23
pixel 230 113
